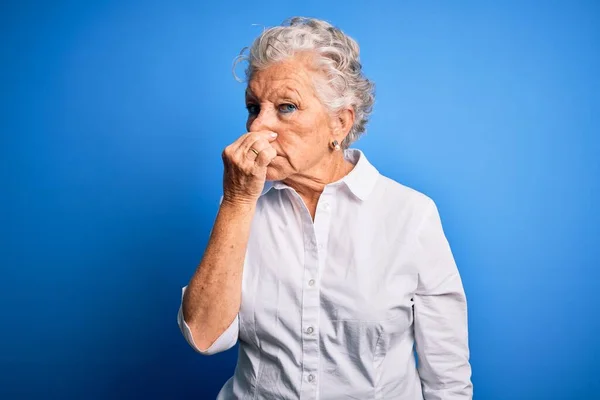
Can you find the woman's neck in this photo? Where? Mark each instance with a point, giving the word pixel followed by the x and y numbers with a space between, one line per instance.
pixel 310 185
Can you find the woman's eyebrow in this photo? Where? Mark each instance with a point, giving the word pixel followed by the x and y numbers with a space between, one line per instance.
pixel 285 92
pixel 291 89
pixel 289 94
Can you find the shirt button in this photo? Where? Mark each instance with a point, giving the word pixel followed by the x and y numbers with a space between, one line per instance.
pixel 311 282
pixel 326 206
pixel 309 330
pixel 321 246
pixel 311 378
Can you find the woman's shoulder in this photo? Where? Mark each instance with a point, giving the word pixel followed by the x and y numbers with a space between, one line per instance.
pixel 401 196
pixel 369 179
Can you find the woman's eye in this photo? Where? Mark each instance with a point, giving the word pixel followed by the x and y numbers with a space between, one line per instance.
pixel 287 108
pixel 253 109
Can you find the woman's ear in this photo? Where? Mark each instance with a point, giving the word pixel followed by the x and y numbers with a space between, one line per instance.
pixel 346 121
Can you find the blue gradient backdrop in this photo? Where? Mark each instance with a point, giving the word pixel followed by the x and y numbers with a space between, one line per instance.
pixel 113 117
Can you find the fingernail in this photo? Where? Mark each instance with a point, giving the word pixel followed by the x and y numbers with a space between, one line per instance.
pixel 273 134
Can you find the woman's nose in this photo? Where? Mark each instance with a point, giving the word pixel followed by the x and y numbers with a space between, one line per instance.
pixel 264 121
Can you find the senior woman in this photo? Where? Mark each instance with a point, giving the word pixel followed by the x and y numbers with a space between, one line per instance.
pixel 328 273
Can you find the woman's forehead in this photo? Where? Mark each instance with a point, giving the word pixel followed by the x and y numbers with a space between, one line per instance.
pixel 279 88
pixel 290 77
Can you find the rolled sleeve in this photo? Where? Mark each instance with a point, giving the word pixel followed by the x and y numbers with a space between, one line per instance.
pixel 440 310
pixel 224 342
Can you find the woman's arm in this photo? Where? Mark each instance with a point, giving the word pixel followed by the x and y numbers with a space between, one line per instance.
pixel 213 296
pixel 212 299
pixel 440 309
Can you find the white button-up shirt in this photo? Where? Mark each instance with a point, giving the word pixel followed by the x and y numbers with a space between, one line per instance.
pixel 333 309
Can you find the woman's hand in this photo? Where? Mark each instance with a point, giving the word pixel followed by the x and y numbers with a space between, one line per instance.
pixel 245 162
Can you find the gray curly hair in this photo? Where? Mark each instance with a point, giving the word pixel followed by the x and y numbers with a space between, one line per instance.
pixel 337 55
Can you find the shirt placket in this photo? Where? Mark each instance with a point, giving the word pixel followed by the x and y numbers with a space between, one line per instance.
pixel 315 249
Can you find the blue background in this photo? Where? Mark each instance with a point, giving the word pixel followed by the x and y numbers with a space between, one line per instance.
pixel 113 117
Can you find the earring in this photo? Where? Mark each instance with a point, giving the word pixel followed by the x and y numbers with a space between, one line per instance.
pixel 335 145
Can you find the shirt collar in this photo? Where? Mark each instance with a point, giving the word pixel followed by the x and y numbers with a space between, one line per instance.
pixel 361 180
pixel 363 177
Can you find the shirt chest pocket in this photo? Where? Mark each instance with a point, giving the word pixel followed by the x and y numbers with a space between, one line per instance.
pixel 371 301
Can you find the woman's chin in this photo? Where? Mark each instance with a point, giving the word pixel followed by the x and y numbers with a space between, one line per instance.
pixel 274 173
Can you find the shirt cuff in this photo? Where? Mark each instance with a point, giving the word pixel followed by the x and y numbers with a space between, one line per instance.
pixel 224 342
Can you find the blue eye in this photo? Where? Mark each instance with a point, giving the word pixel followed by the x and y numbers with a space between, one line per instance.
pixel 287 108
pixel 253 109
